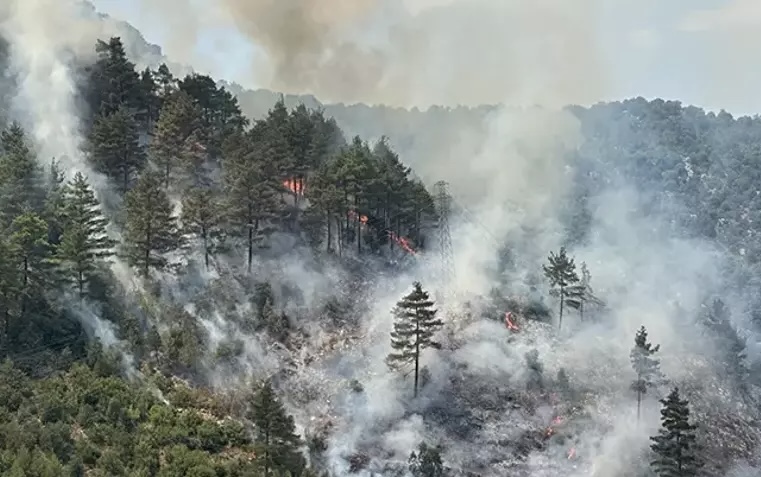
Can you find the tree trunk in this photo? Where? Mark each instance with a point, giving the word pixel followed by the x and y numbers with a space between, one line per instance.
pixel 81 283
pixel 417 351
pixel 250 236
pixel 562 296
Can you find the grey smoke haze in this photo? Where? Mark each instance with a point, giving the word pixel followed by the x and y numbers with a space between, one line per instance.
pixel 513 176
pixel 409 52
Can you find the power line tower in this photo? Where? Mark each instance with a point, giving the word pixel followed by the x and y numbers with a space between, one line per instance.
pixel 443 208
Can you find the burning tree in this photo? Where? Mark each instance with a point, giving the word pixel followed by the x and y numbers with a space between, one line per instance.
pixel 644 364
pixel 414 327
pixel 561 272
pixel 674 446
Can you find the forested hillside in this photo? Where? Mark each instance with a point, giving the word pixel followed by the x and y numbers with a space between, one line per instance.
pixel 202 293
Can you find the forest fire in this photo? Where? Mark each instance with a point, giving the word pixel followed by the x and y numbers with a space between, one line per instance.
pixel 294 185
pixel 510 323
pixel 353 216
pixel 402 242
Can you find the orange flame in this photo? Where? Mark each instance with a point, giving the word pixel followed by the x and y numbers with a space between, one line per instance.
pixel 353 216
pixel 572 453
pixel 509 323
pixel 403 242
pixel 295 186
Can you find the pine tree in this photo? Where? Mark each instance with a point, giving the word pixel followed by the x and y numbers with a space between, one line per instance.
pixel 426 462
pixel 414 327
pixel 54 203
pixel 150 103
pixel 21 180
pixel 201 216
pixel 31 253
pixel 561 272
pixel 151 227
pixel 250 191
pixel 84 241
pixel 10 281
pixel 115 148
pixel 644 364
pixel 674 446
pixel 275 433
pixel 114 82
pixel 177 140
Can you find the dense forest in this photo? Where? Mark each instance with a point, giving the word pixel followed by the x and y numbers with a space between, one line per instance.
pixel 199 297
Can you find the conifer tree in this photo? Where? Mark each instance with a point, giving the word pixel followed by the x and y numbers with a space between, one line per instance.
pixel 84 241
pixel 54 203
pixel 31 253
pixel 250 191
pixel 177 141
pixel 115 148
pixel 414 327
pixel 114 82
pixel 561 272
pixel 151 226
pixel 275 433
pixel 10 281
pixel 201 216
pixel 644 364
pixel 674 446
pixel 21 179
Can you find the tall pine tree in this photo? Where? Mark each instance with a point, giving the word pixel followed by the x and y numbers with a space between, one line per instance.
pixel 275 434
pixel 151 226
pixel 674 446
pixel 115 148
pixel 201 217
pixel 177 141
pixel 561 272
pixel 414 327
pixel 84 241
pixel 644 364
pixel 250 191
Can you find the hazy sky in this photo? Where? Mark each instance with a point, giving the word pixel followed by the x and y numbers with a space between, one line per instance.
pixel 701 52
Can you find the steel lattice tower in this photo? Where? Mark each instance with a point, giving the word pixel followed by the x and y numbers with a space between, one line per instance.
pixel 443 208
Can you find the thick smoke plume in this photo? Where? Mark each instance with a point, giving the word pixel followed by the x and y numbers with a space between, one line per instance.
pixel 514 180
pixel 409 52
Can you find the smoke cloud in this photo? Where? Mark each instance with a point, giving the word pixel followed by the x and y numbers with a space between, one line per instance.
pixel 409 52
pixel 512 176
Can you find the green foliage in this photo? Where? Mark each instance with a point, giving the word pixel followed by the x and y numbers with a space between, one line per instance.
pixel 274 434
pixel 202 217
pixel 177 140
pixel 82 422
pixel 415 325
pixel 84 241
pixel 21 182
pixel 674 448
pixel 151 226
pixel 115 149
pixel 251 191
